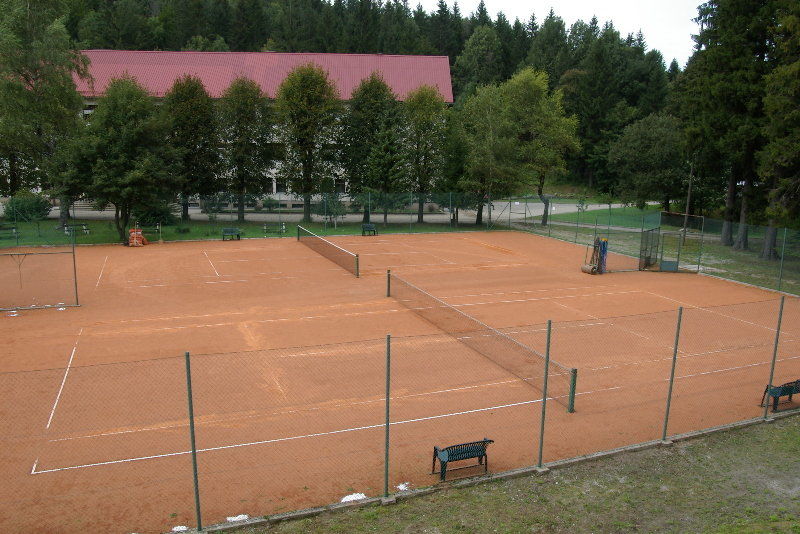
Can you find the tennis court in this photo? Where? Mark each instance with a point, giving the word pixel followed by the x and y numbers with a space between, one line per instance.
pixel 289 370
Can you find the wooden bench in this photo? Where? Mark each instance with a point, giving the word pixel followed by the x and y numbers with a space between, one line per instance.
pixel 776 392
pixel 368 229
pixel 277 228
pixel 232 233
pixel 462 451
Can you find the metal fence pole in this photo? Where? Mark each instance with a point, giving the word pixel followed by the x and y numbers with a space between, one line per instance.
pixel 774 358
pixel 194 447
pixel 783 255
pixel 450 213
pixel 544 395
pixel 388 282
pixel 75 270
pixel 386 437
pixel 672 372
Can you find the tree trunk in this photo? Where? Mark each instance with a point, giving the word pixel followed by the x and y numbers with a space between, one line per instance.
pixel 768 251
pixel 13 174
pixel 420 206
pixel 742 236
pixel 479 216
pixel 726 237
pixel 185 207
pixel 307 207
pixel 240 206
pixel 120 225
pixel 63 210
pixel 545 201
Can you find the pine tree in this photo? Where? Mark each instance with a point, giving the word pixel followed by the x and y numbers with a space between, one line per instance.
pixel 479 63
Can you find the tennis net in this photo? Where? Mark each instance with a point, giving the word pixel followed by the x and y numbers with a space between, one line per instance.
pixel 506 352
pixel 341 257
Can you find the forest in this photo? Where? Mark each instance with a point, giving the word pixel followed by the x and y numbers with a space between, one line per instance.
pixel 537 104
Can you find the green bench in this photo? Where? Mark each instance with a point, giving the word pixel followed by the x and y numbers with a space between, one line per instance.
pixel 776 392
pixel 9 232
pixel 462 451
pixel 368 229
pixel 231 233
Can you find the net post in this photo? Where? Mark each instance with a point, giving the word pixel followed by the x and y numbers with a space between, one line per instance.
pixel 387 424
pixel 544 395
pixel 573 384
pixel 672 372
pixel 192 439
pixel 774 357
pixel 298 232
pixel 388 282
pixel 357 266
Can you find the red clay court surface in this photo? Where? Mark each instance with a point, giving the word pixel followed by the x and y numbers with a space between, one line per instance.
pixel 288 372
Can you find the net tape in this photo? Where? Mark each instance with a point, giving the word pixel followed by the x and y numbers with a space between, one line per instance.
pixel 506 352
pixel 341 257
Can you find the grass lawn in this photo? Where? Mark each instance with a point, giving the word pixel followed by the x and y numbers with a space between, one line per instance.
pixel 628 217
pixel 103 231
pixel 740 481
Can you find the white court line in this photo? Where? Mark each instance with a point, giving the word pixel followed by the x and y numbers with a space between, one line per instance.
pixel 211 263
pixel 101 272
pixel 525 291
pixel 292 438
pixel 555 297
pixel 712 309
pixel 64 380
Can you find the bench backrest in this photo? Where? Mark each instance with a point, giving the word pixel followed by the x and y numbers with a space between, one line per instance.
pixel 230 230
pixel 462 451
pixel 788 388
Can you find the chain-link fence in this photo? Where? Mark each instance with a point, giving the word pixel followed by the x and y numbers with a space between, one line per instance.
pixel 284 429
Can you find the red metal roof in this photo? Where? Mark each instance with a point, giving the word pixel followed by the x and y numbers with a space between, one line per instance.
pixel 157 71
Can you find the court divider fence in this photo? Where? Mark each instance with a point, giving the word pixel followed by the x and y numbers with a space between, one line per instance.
pixel 283 429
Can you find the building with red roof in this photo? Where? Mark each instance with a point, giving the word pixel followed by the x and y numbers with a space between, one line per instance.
pixel 157 71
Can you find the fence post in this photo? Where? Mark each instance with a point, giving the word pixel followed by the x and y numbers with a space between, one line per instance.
pixel 191 437
pixel 386 434
pixel 388 282
pixel 450 198
pixel 783 254
pixel 544 395
pixel 75 271
pixel 672 373
pixel 774 358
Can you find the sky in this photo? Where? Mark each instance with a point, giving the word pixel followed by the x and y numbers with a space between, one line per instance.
pixel 667 25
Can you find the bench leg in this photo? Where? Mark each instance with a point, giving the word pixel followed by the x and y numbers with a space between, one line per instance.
pixel 433 464
pixel 443 474
pixel 485 463
pixel 775 403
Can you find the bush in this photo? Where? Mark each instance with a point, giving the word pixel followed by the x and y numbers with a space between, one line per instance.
pixel 182 230
pixel 27 206
pixel 158 213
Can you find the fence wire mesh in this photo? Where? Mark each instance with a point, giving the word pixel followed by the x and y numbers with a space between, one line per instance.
pixel 284 429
